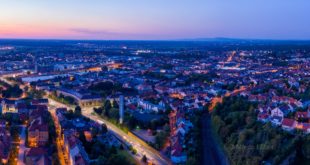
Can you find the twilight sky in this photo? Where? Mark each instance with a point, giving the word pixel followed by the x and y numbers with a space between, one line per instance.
pixel 154 19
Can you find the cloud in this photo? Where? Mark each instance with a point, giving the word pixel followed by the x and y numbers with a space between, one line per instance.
pixel 105 34
pixel 93 31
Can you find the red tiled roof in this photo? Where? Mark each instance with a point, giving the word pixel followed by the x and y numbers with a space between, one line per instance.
pixel 263 115
pixel 288 122
pixel 301 114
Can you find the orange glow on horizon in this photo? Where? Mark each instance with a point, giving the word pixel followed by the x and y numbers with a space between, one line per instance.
pixel 33 32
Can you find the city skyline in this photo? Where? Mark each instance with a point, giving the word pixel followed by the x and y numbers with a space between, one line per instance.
pixel 154 20
pixel 154 82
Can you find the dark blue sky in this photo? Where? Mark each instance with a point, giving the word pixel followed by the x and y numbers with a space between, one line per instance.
pixel 155 19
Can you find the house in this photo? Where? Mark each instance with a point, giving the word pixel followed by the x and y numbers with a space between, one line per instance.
pixel 276 120
pixel 302 116
pixel 178 129
pixel 8 106
pixel 288 124
pixel 75 150
pixel 185 125
pixel 286 109
pixel 305 127
pixel 177 153
pixel 5 144
pixel 172 120
pixel 148 106
pixel 257 98
pixel 37 112
pixel 263 117
pixel 38 133
pixel 36 156
pixel 2 123
pixel 143 88
pixel 277 112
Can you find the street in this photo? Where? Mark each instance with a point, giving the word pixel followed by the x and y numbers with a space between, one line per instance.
pixel 59 143
pixel 142 148
pixel 22 146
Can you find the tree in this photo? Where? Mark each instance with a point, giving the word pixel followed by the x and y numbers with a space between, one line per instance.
pixel 37 94
pixel 107 106
pixel 94 131
pixel 132 122
pixel 114 113
pixel 118 159
pixel 78 111
pixel 144 159
pixel 98 110
pixel 12 92
pixel 104 128
pixel 234 120
pixel 134 151
pixel 115 105
pixel 160 139
pixel 101 160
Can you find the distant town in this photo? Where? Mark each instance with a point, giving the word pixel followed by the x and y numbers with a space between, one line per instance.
pixel 154 102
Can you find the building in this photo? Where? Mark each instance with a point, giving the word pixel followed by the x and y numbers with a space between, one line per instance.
pixel 82 98
pixel 288 124
pixel 5 144
pixel 75 150
pixel 148 106
pixel 8 106
pixel 172 120
pixel 38 133
pixel 178 129
pixel 121 109
pixel 36 156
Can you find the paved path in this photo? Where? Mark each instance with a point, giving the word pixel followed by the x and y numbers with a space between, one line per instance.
pixel 212 152
pixel 22 146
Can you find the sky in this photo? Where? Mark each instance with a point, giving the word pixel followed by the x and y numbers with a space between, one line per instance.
pixel 155 19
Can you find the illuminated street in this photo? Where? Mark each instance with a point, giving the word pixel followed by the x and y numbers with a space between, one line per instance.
pixel 22 146
pixel 60 144
pixel 142 148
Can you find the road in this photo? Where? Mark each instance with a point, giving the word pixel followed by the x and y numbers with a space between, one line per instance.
pixel 142 148
pixel 63 158
pixel 219 99
pixel 22 146
pixel 6 81
pixel 212 152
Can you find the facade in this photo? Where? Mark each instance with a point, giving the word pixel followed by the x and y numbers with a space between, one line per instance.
pixel 38 133
pixel 121 109
pixel 8 106
pixel 178 129
pixel 148 106
pixel 5 144
pixel 83 99
pixel 74 150
pixel 36 156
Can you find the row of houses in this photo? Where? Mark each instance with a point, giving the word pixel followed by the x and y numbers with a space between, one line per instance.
pixel 179 126
pixel 72 146
pixel 300 121
pixel 70 129
pixel 5 142
pixel 35 117
pixel 278 110
pixel 38 134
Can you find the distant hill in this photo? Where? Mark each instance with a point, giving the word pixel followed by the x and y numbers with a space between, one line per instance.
pixel 223 39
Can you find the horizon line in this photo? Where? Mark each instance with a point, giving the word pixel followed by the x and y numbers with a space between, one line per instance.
pixel 184 39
